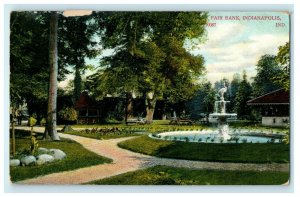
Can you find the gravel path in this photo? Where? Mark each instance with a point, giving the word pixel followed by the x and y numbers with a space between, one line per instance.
pixel 126 161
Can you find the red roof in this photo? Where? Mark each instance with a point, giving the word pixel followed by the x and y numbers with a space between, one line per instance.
pixel 277 97
pixel 84 101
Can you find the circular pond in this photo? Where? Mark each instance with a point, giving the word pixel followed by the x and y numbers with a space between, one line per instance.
pixel 242 136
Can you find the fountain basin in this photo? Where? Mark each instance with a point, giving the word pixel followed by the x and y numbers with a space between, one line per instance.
pixel 213 118
pixel 210 136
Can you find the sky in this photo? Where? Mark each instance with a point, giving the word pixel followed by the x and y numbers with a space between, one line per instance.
pixel 233 43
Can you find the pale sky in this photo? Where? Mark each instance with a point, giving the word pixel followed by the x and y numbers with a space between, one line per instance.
pixel 232 46
pixel 236 45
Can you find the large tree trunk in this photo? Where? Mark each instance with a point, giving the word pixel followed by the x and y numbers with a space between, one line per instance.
pixel 150 106
pixel 13 137
pixel 50 130
pixel 128 106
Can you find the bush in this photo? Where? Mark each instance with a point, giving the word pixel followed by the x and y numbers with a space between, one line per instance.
pixel 43 122
pixel 68 114
pixel 32 121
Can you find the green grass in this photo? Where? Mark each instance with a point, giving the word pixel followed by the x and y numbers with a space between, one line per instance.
pixel 156 126
pixel 246 153
pixel 100 136
pixel 77 157
pixel 163 175
pixel 163 126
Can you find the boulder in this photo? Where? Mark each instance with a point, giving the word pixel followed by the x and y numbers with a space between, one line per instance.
pixel 57 154
pixel 42 150
pixel 14 162
pixel 28 160
pixel 67 128
pixel 44 158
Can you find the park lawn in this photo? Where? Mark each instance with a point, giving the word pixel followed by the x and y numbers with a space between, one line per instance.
pixel 77 157
pixel 163 175
pixel 101 136
pixel 163 126
pixel 156 126
pixel 243 152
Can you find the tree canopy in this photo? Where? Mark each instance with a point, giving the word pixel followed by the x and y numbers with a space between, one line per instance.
pixel 267 69
pixel 283 59
pixel 242 96
pixel 149 55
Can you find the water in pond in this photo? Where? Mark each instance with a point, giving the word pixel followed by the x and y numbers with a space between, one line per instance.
pixel 214 137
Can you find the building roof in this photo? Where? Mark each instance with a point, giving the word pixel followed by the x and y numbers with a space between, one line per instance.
pixel 277 97
pixel 84 101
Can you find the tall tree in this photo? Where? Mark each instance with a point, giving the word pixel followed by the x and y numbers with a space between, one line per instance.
pixel 232 91
pixel 209 99
pixel 50 130
pixel 243 95
pixel 267 68
pixel 77 42
pixel 283 59
pixel 149 47
pixel 29 59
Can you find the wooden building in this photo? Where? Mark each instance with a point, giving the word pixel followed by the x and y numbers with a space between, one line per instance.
pixel 274 107
pixel 87 109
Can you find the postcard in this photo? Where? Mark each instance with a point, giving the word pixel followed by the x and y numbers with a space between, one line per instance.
pixel 149 97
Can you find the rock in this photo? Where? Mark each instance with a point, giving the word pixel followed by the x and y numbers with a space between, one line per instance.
pixel 42 150
pixel 44 158
pixel 57 154
pixel 67 128
pixel 28 160
pixel 14 162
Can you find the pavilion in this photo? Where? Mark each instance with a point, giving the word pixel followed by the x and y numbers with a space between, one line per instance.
pixel 274 106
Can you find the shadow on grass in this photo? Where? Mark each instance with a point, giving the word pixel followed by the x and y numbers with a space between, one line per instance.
pixel 163 175
pixel 244 153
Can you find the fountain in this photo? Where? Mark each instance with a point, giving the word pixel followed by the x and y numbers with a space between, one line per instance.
pixel 223 134
pixel 221 115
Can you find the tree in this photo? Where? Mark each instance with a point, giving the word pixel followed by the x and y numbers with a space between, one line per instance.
pixel 267 68
pixel 50 130
pixel 76 43
pixel 233 88
pixel 209 99
pixel 150 56
pixel 29 60
pixel 243 95
pixel 283 59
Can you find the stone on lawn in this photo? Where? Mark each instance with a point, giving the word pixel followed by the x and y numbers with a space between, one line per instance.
pixel 42 150
pixel 14 162
pixel 67 128
pixel 44 158
pixel 28 160
pixel 57 154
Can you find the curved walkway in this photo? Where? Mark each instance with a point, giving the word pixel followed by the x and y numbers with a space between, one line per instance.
pixel 125 161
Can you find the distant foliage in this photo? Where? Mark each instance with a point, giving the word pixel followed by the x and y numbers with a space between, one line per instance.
pixel 68 114
pixel 242 96
pixel 32 121
pixel 43 121
pixel 267 69
pixel 283 59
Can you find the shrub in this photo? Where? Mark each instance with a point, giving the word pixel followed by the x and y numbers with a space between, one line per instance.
pixel 31 121
pixel 43 121
pixel 68 114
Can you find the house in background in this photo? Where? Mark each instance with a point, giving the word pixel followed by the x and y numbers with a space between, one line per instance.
pixel 274 106
pixel 87 109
